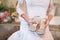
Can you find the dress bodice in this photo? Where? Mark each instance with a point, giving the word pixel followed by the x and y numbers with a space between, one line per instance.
pixel 34 8
pixel 37 7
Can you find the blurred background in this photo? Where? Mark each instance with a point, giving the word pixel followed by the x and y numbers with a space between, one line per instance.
pixel 9 22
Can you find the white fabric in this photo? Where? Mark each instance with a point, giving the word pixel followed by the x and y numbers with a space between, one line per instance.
pixel 18 9
pixel 34 8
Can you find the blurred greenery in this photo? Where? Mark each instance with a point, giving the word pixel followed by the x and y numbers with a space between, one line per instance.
pixel 5 8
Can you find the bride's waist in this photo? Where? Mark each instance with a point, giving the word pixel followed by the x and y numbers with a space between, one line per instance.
pixel 41 16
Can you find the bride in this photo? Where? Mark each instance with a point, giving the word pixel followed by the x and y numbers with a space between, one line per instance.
pixel 34 8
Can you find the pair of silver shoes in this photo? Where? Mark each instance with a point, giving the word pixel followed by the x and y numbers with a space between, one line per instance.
pixel 40 27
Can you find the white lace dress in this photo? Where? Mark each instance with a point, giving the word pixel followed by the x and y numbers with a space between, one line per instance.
pixel 34 8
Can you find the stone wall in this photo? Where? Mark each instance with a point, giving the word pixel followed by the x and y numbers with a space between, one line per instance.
pixel 10 3
pixel 57 4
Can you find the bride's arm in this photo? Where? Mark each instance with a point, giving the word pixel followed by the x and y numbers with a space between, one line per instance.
pixel 51 12
pixel 24 15
pixel 21 12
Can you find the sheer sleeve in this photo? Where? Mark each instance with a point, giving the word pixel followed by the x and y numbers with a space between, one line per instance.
pixel 51 7
pixel 18 8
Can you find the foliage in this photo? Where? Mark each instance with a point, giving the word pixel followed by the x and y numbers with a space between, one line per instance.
pixel 5 8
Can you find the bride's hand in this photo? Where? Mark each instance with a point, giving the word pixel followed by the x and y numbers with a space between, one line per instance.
pixel 46 22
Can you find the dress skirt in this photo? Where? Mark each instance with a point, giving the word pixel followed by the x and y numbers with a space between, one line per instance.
pixel 25 34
